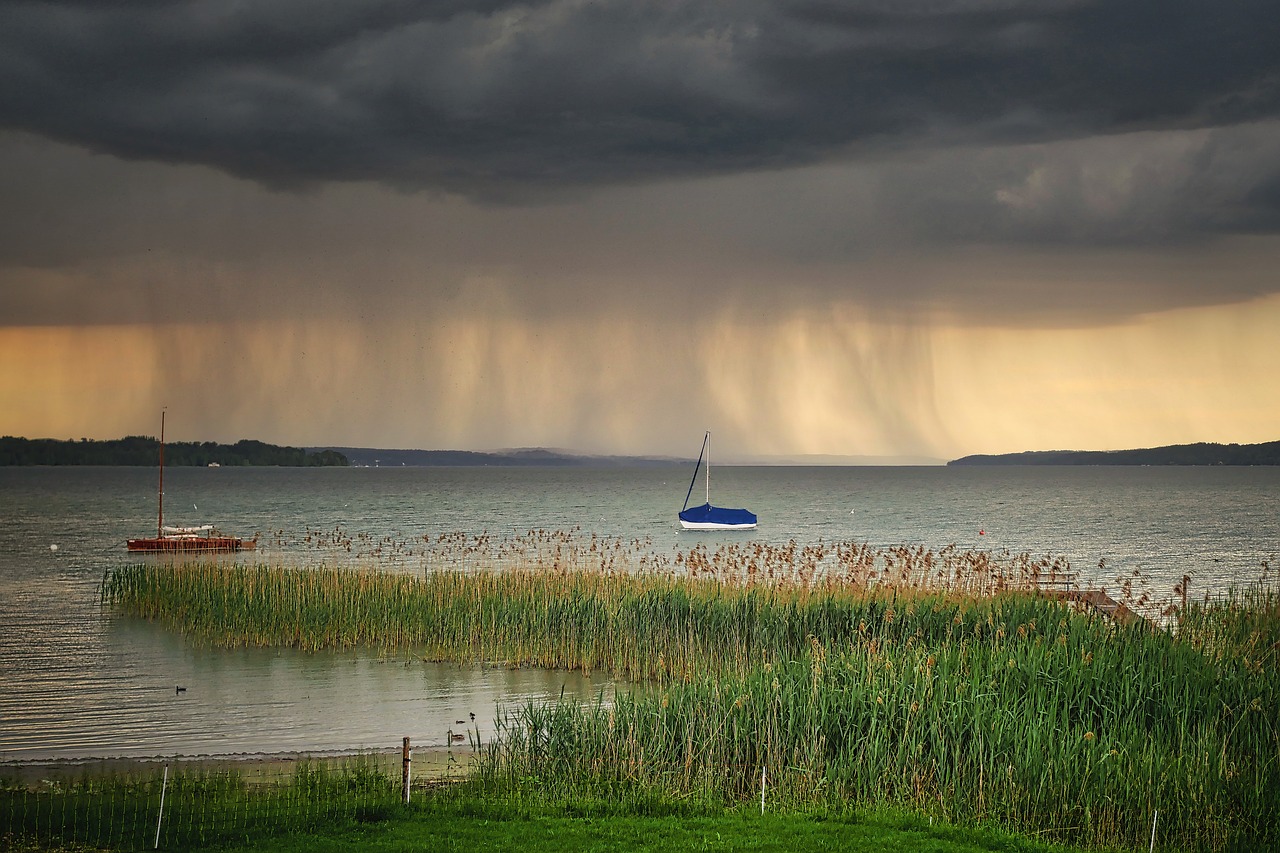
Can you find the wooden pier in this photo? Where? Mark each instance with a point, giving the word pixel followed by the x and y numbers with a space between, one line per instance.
pixel 1066 588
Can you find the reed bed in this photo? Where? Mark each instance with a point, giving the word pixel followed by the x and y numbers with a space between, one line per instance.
pixel 970 570
pixel 945 682
pixel 632 626
pixel 1013 711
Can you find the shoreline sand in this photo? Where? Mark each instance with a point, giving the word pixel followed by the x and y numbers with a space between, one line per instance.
pixel 428 765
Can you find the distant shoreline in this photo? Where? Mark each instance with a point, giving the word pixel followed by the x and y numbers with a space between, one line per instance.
pixel 1201 454
pixel 144 451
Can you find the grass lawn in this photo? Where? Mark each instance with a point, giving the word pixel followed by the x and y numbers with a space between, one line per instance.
pixel 448 832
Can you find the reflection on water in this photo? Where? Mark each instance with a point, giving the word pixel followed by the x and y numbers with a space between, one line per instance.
pixel 149 693
pixel 78 683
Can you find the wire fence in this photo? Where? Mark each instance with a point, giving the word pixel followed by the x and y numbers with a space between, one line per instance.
pixel 184 807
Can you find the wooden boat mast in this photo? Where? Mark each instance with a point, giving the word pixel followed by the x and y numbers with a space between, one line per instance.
pixel 160 511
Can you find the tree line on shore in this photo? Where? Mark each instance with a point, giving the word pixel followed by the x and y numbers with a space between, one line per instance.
pixel 1204 453
pixel 145 450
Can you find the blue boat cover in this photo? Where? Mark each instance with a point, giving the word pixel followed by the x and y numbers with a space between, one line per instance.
pixel 708 514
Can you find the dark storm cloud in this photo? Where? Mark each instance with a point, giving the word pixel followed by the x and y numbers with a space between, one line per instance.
pixel 501 99
pixel 1138 189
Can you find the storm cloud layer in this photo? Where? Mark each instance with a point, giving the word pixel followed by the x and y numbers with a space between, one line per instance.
pixel 500 100
pixel 814 226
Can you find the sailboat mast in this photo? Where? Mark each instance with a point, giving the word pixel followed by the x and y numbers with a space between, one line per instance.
pixel 160 511
pixel 693 481
pixel 708 467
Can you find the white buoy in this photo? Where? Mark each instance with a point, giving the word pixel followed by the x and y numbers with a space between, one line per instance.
pixel 53 547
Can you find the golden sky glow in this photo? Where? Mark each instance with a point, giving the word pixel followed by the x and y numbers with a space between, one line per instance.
pixel 831 384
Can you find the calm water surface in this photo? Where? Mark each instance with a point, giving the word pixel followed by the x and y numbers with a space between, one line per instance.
pixel 76 682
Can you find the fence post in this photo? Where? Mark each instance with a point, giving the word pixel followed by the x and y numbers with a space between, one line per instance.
pixel 762 789
pixel 160 817
pixel 405 772
pixel 1155 817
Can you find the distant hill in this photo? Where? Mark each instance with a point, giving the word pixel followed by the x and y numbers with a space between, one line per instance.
pixel 145 450
pixel 1174 454
pixel 531 456
pixel 832 460
pixel 517 457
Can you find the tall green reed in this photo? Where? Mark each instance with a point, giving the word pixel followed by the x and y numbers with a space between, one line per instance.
pixel 1019 712
pixel 911 677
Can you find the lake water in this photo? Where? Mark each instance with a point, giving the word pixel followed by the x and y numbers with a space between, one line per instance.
pixel 77 682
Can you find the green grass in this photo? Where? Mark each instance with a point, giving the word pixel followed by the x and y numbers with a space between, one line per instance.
pixel 912 693
pixel 221 812
pixel 767 834
pixel 476 828
pixel 200 808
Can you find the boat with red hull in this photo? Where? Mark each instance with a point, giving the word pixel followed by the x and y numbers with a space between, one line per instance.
pixel 205 539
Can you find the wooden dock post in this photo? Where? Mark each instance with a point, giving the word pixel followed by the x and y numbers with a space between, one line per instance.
pixel 405 772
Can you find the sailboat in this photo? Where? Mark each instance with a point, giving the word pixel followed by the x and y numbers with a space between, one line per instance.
pixel 202 539
pixel 708 517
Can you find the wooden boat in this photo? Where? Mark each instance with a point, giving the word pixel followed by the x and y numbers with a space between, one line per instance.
pixel 205 539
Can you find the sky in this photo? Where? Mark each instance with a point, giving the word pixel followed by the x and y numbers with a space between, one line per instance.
pixel 892 228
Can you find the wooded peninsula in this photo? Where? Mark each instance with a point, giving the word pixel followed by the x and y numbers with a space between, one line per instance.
pixel 1203 453
pixel 145 450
